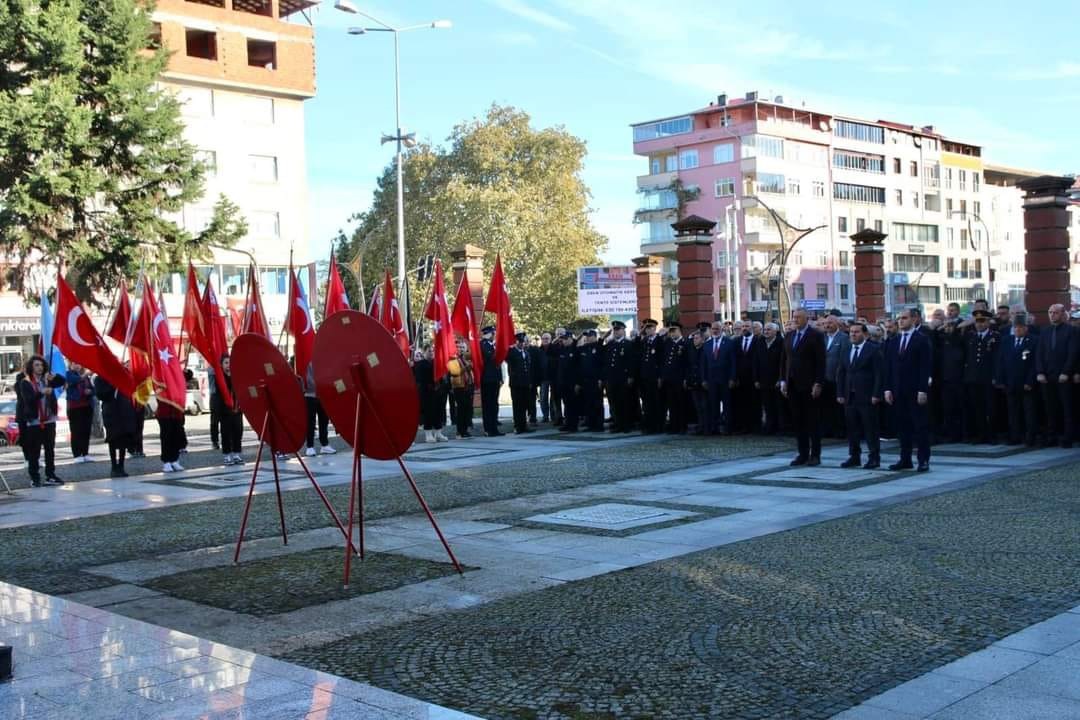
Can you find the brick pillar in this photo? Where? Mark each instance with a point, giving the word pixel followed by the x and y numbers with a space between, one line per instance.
pixel 469 261
pixel 650 290
pixel 693 251
pixel 1046 243
pixel 869 248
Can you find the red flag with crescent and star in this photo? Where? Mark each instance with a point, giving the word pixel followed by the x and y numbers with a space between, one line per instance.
pixel 439 313
pixel 217 342
pixel 498 302
pixel 121 321
pixel 254 317
pixel 141 345
pixel 169 384
pixel 464 325
pixel 390 316
pixel 299 325
pixel 336 298
pixel 80 342
pixel 194 322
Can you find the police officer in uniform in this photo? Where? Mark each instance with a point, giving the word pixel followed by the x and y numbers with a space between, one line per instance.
pixel 980 357
pixel 490 382
pixel 673 379
pixel 652 409
pixel 590 377
pixel 519 366
pixel 620 369
pixel 568 381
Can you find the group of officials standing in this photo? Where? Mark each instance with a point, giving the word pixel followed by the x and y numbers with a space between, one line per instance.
pixel 950 379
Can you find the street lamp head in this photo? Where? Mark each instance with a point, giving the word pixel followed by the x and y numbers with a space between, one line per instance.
pixel 409 140
pixel 357 31
pixel 438 24
pixel 346 6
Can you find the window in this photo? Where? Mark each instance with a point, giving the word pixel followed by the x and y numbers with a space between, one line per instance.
pixel 659 199
pixel 859 131
pixel 795 258
pixel 273 281
pixel 688 159
pixel 908 295
pixel 976 207
pixel 878 226
pixel 975 181
pixel 844 291
pixel 819 188
pixel 721 259
pixel 963 179
pixel 265 225
pixel 896 166
pixel 654 166
pixel 822 291
pixel 950 270
pixel 978 238
pixel 915 199
pixel 798 292
pixel 931 175
pixel 963 238
pixel 914 169
pixel 208 158
pixel 233 279
pixel 841 224
pixel 794 187
pixel 963 208
pixel 860 224
pixel 723 153
pixel 664 128
pixel 770 183
pixel 725 187
pixel 726 120
pixel 258 110
pixel 862 162
pixel 262 53
pixel 762 146
pixel 948 178
pixel 859 193
pixel 899 197
pixel 912 233
pixel 153 42
pixel 671 163
pixel 948 208
pixel 196 102
pixel 201 44
pixel 263 168
pixel 197 219
pixel 845 258
pixel 915 263
pixel 976 268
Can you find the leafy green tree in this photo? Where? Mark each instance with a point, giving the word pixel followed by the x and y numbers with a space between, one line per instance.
pixel 93 155
pixel 500 185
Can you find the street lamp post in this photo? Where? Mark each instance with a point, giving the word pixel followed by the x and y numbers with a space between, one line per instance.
pixel 400 137
pixel 990 297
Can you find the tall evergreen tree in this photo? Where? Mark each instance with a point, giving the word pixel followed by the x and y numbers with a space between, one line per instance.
pixel 92 153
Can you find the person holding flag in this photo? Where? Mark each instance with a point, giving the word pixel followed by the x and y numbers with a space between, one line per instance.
pixel 436 363
pixel 470 362
pixel 496 343
pixel 216 347
pixel 170 386
pixel 36 394
pixel 298 322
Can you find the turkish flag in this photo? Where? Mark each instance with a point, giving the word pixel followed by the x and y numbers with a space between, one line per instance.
pixel 439 313
pixel 336 298
pixel 299 324
pixel 216 343
pixel 254 317
pixel 464 325
pixel 194 321
pixel 498 302
pixel 121 322
pixel 80 342
pixel 390 316
pixel 169 384
pixel 141 344
pixel 375 310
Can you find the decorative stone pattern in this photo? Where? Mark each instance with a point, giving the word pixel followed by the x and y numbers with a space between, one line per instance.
pixel 653 516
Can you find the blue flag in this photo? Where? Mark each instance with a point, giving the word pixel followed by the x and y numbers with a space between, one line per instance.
pixel 49 351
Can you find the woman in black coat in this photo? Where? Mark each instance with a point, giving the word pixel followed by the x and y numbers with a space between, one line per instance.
pixel 38 408
pixel 118 415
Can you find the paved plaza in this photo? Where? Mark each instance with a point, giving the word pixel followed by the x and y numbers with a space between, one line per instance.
pixel 605 576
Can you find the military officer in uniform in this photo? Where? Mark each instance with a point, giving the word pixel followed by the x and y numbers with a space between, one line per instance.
pixel 490 382
pixel 567 372
pixel 590 379
pixel 652 407
pixel 620 370
pixel 519 366
pixel 673 379
pixel 980 357
pixel 1015 375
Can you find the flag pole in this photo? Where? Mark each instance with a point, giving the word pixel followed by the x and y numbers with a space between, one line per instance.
pixel 288 311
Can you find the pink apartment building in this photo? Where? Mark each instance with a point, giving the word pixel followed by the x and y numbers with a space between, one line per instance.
pixel 938 202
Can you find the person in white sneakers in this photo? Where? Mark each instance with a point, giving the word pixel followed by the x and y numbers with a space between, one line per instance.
pixel 232 420
pixel 315 413
pixel 433 394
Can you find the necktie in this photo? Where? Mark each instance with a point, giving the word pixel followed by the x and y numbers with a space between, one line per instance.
pixel 715 348
pixel 855 353
pixel 903 343
pixel 1053 337
pixel 746 344
pixel 798 339
pixel 1017 342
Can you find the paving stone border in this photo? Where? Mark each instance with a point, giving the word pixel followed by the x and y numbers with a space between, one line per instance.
pixel 760 477
pixel 702 512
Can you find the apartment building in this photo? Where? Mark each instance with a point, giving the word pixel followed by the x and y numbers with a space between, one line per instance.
pixel 737 159
pixel 242 70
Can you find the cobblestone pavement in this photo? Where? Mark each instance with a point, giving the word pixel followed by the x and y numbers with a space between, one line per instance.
pixel 799 624
pixel 48 557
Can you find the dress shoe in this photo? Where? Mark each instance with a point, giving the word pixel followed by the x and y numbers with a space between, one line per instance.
pixel 800 460
pixel 813 462
pixel 495 434
pixel 923 467
pixel 902 466
pixel 871 465
pixel 851 462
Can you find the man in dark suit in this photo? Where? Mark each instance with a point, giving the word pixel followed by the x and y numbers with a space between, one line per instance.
pixel 907 383
pixel 1016 376
pixel 718 373
pixel 490 382
pixel 837 346
pixel 1055 363
pixel 859 378
pixel 802 380
pixel 520 369
pixel 770 356
pixel 746 397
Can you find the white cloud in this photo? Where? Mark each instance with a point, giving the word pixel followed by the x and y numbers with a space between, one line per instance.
pixel 1061 71
pixel 527 12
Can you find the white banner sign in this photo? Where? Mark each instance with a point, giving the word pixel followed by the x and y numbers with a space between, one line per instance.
pixel 607 290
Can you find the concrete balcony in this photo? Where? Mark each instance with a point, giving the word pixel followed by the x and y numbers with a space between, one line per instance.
pixel 660 180
pixel 662 248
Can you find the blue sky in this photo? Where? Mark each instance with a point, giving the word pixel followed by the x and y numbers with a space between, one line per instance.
pixel 596 66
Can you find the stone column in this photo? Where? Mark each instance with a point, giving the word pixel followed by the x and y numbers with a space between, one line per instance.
pixel 693 251
pixel 869 248
pixel 469 261
pixel 1046 243
pixel 650 290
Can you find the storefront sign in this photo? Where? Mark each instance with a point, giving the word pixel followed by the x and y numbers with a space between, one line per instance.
pixel 607 290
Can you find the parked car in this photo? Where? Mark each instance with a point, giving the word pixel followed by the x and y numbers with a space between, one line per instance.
pixel 9 429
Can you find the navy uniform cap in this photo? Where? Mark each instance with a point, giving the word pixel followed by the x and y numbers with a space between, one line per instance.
pixel 487 329
pixel 589 333
pixel 649 321
pixel 521 336
pixel 675 324
pixel 981 314
pixel 618 325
